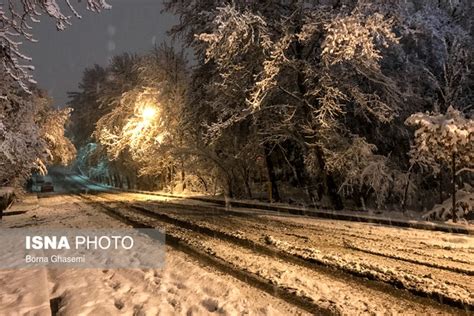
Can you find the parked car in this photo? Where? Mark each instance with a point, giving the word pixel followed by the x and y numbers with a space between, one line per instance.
pixel 6 198
pixel 47 187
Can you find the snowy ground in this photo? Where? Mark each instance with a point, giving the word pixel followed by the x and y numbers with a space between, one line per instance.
pixel 183 287
pixel 433 263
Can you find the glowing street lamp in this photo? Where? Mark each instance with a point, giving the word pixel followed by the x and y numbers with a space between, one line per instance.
pixel 148 113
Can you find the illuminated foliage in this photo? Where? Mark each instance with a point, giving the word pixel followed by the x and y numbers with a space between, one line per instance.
pixel 440 138
pixel 324 87
pixel 142 124
pixel 31 133
pixel 311 95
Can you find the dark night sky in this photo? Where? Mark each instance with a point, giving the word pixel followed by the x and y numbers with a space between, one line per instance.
pixel 60 57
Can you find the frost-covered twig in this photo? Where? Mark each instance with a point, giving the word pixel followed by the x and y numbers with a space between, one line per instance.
pixel 14 24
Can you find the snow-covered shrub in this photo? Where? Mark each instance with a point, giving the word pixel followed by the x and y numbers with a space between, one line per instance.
pixel 464 207
pixel 444 140
pixel 365 173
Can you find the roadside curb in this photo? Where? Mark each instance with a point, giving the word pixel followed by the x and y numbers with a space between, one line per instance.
pixel 27 203
pixel 337 215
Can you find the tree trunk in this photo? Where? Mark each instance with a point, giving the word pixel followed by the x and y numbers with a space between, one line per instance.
pixel 183 177
pixel 271 175
pixel 230 190
pixel 215 185
pixel 247 186
pixel 331 187
pixel 332 192
pixel 128 182
pixel 302 178
pixel 405 193
pixel 168 176
pixel 441 187
pixel 454 187
pixel 204 183
pixel 118 182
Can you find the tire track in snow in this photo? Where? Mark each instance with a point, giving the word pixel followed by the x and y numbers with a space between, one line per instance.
pixel 252 279
pixel 441 290
pixel 267 251
pixel 415 261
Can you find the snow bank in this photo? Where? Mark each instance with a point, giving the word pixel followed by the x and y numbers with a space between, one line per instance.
pixel 464 207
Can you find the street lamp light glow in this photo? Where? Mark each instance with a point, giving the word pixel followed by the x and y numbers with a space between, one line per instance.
pixel 148 113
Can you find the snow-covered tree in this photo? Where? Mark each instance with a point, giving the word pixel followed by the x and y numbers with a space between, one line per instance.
pixel 444 140
pixel 292 72
pixel 330 81
pixel 315 91
pixel 16 20
pixel 100 91
pixel 21 148
pixel 31 133
pixel 132 109
pixel 60 148
pixel 135 123
pixel 86 105
pixel 439 49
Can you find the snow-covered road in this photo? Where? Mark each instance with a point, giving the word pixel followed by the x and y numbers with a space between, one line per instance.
pixel 182 287
pixel 313 265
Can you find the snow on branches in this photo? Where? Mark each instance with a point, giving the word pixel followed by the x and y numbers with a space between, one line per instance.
pixel 141 123
pixel 60 149
pixel 139 113
pixel 16 18
pixel 440 138
pixel 357 37
pixel 293 73
pixel 364 172
pixel 31 133
pixel 233 32
pixel 444 140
